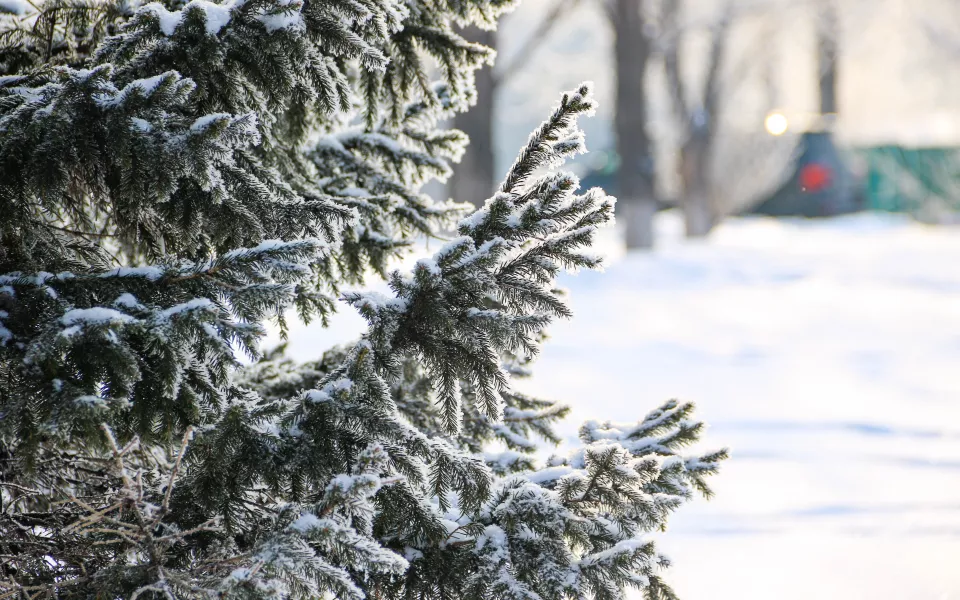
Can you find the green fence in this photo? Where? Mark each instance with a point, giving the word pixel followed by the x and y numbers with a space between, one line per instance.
pixel 911 180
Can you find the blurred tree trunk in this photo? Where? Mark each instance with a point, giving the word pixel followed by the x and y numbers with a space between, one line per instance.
pixel 698 214
pixel 700 122
pixel 827 45
pixel 474 179
pixel 632 50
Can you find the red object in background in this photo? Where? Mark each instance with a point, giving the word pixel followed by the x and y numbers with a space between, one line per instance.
pixel 814 177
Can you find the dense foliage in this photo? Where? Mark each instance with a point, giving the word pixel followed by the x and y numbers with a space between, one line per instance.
pixel 174 175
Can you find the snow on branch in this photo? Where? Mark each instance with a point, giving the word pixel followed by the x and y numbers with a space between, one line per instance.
pixel 492 289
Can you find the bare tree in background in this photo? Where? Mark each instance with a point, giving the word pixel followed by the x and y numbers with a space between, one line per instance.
pixel 697 108
pixel 637 203
pixel 698 114
pixel 474 179
pixel 828 32
pixel 750 163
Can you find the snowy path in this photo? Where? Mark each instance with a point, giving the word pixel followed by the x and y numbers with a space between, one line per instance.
pixel 827 356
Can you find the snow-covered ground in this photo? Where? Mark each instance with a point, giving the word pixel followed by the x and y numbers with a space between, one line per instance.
pixel 826 355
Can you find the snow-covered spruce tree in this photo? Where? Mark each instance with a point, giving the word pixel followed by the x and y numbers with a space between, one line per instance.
pixel 174 175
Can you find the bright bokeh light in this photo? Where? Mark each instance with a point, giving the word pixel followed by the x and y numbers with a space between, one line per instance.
pixel 776 124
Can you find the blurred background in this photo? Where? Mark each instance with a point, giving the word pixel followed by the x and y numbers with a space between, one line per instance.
pixel 787 255
pixel 725 107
